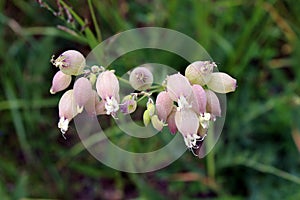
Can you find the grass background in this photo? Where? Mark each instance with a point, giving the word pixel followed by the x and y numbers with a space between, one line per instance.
pixel 257 157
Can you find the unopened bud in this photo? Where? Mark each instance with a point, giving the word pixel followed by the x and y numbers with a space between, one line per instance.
pixel 157 123
pixel 221 82
pixel 141 78
pixel 60 82
pixel 164 105
pixel 128 105
pixel 82 92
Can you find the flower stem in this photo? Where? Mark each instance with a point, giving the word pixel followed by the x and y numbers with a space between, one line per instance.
pixel 210 160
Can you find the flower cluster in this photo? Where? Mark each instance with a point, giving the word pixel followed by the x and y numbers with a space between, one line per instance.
pixel 185 103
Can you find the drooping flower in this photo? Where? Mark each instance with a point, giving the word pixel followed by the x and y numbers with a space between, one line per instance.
pixel 67 110
pixel 60 82
pixel 186 118
pixel 199 72
pixel 221 82
pixel 187 123
pixel 107 86
pixel 82 92
pixel 164 105
pixel 70 62
pixel 141 78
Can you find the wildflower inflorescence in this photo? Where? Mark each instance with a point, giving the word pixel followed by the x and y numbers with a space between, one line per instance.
pixel 185 103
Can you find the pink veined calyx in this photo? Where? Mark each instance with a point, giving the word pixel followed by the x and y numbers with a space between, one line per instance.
pixel 184 103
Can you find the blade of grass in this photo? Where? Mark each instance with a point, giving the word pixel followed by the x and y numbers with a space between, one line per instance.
pixel 17 120
pixel 97 28
pixel 271 170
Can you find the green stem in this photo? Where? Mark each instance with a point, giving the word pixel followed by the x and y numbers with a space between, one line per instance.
pixel 210 160
pixel 97 28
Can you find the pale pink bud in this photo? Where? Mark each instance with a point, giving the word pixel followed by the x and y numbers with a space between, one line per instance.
pixel 198 99
pixel 60 82
pixel 199 72
pixel 70 62
pixel 67 110
pixel 178 86
pixel 213 104
pixel 221 82
pixel 141 78
pixel 67 105
pixel 164 105
pixel 171 122
pixel 82 92
pixel 107 85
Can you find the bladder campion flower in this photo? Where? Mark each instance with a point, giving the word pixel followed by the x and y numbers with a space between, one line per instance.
pixel 82 92
pixel 141 78
pixel 67 110
pixel 70 62
pixel 186 104
pixel 107 86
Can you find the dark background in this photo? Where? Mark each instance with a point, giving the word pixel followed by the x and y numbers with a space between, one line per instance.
pixel 257 156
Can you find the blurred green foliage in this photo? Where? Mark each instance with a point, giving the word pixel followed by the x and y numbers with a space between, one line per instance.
pixel 257 157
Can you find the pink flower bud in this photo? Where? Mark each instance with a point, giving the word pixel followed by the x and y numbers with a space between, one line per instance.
pixel 141 78
pixel 221 82
pixel 178 86
pixel 198 99
pixel 82 92
pixel 213 104
pixel 67 110
pixel 164 105
pixel 70 62
pixel 199 72
pixel 60 82
pixel 107 85
pixel 171 121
